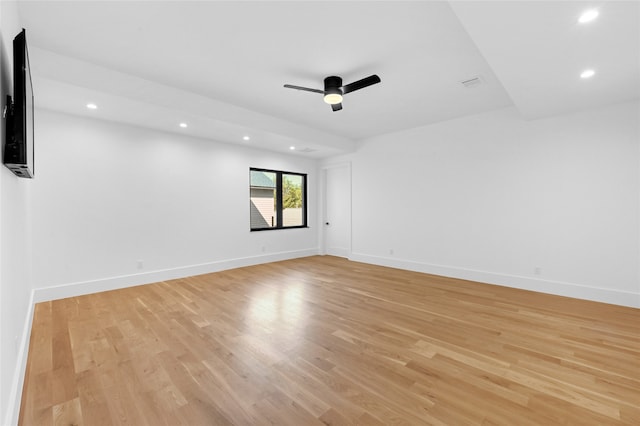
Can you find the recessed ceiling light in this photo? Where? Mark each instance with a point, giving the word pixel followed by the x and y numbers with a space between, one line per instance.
pixel 183 125
pixel 588 16
pixel 92 106
pixel 292 148
pixel 245 138
pixel 587 74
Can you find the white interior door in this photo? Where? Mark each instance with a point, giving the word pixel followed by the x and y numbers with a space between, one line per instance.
pixel 337 210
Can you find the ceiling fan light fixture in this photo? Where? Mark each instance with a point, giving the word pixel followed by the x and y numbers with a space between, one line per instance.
pixel 333 98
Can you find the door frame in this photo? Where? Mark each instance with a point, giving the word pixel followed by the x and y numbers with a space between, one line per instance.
pixel 323 216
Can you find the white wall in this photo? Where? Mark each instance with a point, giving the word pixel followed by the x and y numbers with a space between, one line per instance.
pixel 109 195
pixel 15 284
pixel 550 205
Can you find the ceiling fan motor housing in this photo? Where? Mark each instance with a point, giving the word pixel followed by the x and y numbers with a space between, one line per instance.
pixel 333 84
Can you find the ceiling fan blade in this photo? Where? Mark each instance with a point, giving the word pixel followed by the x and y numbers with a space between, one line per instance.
pixel 291 86
pixel 336 107
pixel 361 84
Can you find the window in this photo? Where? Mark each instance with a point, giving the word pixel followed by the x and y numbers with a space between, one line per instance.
pixel 277 199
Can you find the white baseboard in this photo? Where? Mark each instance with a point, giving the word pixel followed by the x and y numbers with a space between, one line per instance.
pixel 114 283
pixel 338 251
pixel 17 381
pixel 559 288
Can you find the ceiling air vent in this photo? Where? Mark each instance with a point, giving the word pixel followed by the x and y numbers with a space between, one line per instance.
pixel 307 150
pixel 471 82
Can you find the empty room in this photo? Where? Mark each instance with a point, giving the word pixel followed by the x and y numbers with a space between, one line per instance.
pixel 320 213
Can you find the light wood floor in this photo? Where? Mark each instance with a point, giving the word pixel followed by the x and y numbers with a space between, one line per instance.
pixel 322 340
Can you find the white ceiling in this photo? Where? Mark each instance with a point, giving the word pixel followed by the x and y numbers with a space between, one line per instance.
pixel 220 66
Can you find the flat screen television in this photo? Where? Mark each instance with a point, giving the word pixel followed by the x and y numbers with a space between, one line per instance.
pixel 18 149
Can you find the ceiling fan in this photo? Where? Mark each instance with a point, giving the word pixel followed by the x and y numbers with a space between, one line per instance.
pixel 333 89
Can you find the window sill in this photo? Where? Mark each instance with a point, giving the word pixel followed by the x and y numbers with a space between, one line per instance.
pixel 279 229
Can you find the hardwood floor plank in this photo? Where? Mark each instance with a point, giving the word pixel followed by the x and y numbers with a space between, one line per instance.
pixel 68 413
pixel 322 340
pixel 93 399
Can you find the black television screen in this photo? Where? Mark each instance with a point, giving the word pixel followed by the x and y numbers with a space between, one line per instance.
pixel 18 149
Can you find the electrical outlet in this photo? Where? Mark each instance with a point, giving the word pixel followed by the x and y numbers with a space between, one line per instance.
pixel 140 264
pixel 537 270
pixel 263 248
pixel 391 251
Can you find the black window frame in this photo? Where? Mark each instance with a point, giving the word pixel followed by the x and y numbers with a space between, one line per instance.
pixel 278 208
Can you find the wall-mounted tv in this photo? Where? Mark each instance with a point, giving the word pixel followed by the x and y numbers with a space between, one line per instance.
pixel 18 149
